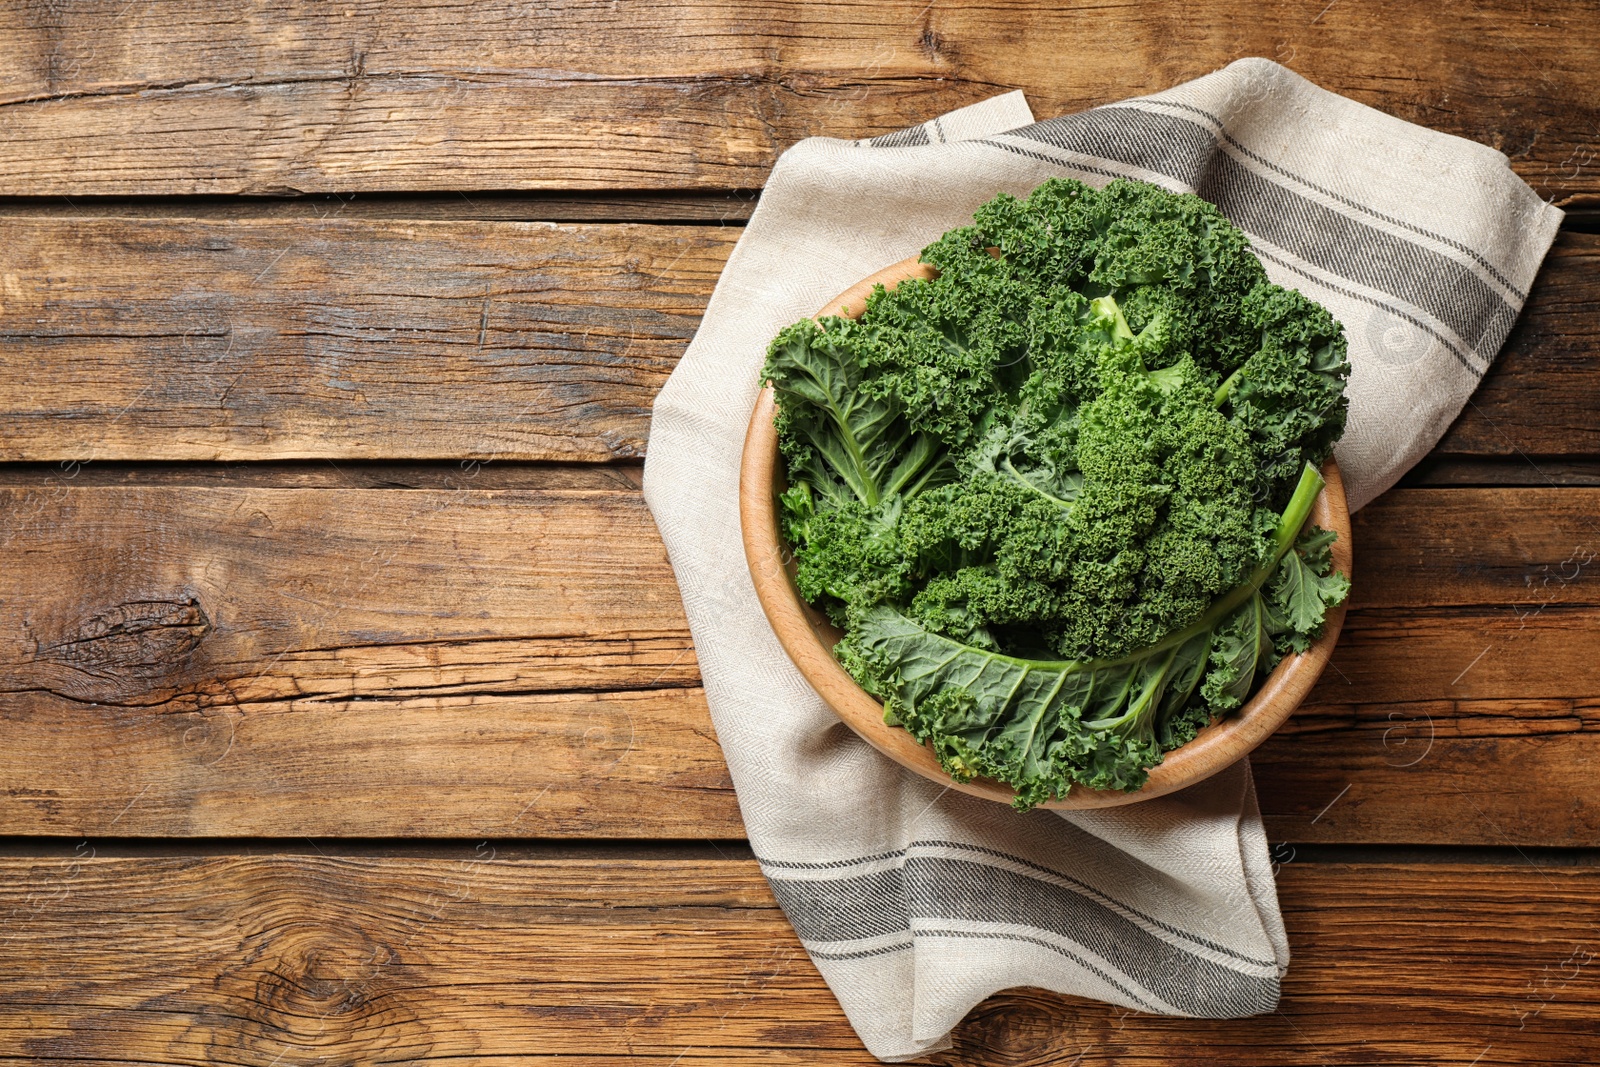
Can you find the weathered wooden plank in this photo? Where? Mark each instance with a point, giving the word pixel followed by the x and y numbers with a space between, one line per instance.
pixel 406 653
pixel 455 662
pixel 1537 400
pixel 571 764
pixel 328 474
pixel 1438 772
pixel 158 98
pixel 140 597
pixel 723 207
pixel 197 340
pixel 646 765
pixel 270 339
pixel 1521 550
pixel 498 957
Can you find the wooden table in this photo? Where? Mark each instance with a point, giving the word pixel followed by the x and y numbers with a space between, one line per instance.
pixel 349 714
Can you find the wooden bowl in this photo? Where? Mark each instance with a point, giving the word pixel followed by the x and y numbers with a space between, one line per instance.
pixel 808 637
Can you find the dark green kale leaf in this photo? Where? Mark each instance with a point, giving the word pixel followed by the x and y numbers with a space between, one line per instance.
pixel 1305 587
pixel 1289 395
pixel 841 438
pixel 1065 462
pixel 1041 725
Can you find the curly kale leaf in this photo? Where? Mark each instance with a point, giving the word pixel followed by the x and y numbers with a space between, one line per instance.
pixel 1038 725
pixel 1076 445
pixel 1305 587
pixel 1289 395
pixel 1041 725
pixel 839 437
pixel 1163 256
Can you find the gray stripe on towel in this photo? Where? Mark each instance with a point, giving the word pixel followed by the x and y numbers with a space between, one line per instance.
pixel 940 888
pixel 1374 256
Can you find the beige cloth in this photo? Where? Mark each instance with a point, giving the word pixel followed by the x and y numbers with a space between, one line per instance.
pixel 916 902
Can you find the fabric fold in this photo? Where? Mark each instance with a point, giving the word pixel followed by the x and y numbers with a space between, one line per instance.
pixel 917 902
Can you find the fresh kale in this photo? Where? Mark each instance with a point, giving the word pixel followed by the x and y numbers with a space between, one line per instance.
pixel 1054 495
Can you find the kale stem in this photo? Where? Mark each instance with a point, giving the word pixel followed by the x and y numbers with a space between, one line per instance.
pixel 1283 538
pixel 1017 477
pixel 1294 516
pixel 1225 390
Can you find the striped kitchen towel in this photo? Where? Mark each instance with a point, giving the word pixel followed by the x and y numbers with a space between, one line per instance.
pixel 916 902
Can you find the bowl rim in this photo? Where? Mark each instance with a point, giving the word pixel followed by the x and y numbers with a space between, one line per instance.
pixel 808 637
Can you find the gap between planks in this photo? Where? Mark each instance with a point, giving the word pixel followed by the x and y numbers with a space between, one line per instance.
pixel 719 850
pixel 731 206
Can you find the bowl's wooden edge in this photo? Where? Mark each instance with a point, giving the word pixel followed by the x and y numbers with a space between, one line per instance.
pixel 801 631
pixel 853 300
pixel 792 619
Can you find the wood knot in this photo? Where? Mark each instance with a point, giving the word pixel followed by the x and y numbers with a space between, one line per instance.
pixel 316 984
pixel 1020 1026
pixel 322 972
pixel 140 636
pixel 323 983
pixel 117 653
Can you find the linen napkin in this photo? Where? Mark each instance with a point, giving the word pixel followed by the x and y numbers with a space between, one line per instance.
pixel 916 902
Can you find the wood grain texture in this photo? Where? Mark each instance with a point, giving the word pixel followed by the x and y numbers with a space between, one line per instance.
pixel 489 958
pixel 458 662
pixel 160 98
pixel 1538 398
pixel 433 659
pixel 1502 773
pixel 721 207
pixel 278 339
pixel 138 339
